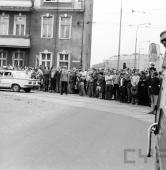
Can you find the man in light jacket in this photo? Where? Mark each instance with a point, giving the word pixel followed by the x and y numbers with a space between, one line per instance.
pixel 64 80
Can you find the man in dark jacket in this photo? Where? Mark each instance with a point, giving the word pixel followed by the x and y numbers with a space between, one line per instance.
pixel 57 77
pixel 46 78
pixel 143 96
pixel 154 90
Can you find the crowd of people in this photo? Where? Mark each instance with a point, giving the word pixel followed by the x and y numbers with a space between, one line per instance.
pixel 129 86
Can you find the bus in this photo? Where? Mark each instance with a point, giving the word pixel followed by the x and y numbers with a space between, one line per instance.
pixel 158 128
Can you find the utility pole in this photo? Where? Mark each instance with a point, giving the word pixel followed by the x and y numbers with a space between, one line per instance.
pixel 56 34
pixel 136 39
pixel 120 29
pixel 82 43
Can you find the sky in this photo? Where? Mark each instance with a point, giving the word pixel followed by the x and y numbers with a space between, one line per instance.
pixel 106 19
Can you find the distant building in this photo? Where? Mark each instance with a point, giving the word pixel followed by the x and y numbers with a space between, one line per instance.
pixel 45 32
pixel 142 62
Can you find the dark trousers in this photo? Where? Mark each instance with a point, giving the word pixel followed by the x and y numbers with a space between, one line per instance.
pixel 57 86
pixel 122 94
pixel 53 84
pixel 90 90
pixel 129 94
pixel 116 91
pixel 46 82
pixel 63 87
pixel 81 89
pixel 108 91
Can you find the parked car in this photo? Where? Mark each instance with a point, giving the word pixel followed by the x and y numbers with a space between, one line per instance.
pixel 17 80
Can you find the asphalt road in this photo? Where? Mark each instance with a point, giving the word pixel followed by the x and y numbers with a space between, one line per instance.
pixel 43 131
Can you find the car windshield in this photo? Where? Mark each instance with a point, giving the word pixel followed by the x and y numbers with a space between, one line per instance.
pixel 22 75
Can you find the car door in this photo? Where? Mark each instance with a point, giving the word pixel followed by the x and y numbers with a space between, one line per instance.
pixel 7 79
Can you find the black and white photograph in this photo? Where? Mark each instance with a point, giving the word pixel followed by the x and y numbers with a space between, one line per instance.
pixel 82 85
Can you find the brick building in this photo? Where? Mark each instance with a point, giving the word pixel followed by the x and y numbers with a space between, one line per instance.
pixel 45 32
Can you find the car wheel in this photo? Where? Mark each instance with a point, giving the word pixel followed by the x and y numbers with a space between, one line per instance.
pixel 16 88
pixel 27 90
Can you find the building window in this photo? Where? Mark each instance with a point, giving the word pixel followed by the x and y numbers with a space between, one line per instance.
pixel 4 25
pixel 3 58
pixel 65 25
pixel 46 59
pixel 47 26
pixel 20 25
pixel 63 60
pixel 18 58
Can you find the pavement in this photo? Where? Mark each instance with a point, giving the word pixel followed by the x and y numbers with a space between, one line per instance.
pixel 47 131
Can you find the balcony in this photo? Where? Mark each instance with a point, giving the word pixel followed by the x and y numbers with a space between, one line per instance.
pixel 16 5
pixel 64 4
pixel 15 41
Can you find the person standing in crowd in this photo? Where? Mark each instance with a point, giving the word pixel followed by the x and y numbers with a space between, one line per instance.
pixel 82 78
pixel 100 85
pixel 109 85
pixel 122 88
pixel 46 78
pixel 116 85
pixel 57 77
pixel 64 78
pixel 53 78
pixel 39 75
pixel 71 81
pixel 154 90
pixel 134 89
pixel 90 82
pixel 143 96
pixel 95 76
pixel 128 86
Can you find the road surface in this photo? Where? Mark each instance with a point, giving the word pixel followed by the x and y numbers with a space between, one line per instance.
pixel 47 131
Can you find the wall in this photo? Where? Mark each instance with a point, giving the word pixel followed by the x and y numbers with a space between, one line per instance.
pixel 54 44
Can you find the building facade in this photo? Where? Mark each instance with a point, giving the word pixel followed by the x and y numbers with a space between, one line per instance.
pixel 142 62
pixel 45 32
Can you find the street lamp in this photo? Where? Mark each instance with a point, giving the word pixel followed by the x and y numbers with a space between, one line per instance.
pixel 140 48
pixel 136 40
pixel 120 28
